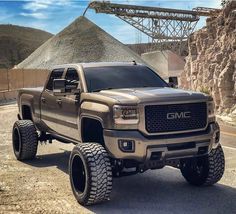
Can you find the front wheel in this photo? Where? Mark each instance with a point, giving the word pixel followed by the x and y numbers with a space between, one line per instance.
pixel 90 173
pixel 206 170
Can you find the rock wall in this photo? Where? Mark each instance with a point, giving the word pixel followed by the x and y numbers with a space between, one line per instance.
pixel 211 64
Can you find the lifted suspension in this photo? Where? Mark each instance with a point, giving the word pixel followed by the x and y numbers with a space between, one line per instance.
pixel 44 137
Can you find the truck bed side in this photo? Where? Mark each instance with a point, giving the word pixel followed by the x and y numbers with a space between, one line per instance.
pixel 29 103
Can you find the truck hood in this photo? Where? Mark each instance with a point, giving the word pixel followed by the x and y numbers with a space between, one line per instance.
pixel 151 95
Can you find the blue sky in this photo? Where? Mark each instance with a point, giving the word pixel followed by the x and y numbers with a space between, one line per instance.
pixel 54 15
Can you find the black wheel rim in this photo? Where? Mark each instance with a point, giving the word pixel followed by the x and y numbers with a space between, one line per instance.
pixel 78 174
pixel 16 141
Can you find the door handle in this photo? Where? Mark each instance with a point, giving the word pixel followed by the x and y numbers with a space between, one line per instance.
pixel 43 99
pixel 59 102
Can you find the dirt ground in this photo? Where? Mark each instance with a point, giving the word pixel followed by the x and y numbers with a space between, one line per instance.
pixel 42 185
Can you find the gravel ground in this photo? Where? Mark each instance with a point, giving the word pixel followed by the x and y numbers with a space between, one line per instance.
pixel 42 185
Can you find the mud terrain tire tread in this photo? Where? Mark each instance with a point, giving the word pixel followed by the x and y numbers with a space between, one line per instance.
pixel 29 140
pixel 99 173
pixel 213 169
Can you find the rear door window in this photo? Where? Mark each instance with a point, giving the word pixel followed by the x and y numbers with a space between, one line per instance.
pixel 56 74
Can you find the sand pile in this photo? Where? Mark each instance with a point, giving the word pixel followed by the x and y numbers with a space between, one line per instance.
pixel 81 41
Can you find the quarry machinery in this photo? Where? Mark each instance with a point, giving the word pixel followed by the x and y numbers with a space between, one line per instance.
pixel 167 28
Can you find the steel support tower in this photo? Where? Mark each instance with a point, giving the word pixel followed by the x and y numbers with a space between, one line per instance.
pixel 167 28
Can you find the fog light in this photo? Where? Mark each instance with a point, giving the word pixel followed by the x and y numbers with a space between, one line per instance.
pixel 126 145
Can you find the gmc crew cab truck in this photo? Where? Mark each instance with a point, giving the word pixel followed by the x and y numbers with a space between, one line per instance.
pixel 123 119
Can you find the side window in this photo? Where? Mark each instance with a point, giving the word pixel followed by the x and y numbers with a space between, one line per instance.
pixel 72 75
pixel 56 74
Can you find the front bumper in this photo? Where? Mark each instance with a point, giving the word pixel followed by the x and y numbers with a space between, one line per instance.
pixel 166 147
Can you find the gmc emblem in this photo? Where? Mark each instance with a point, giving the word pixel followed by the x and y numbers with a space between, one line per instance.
pixel 178 115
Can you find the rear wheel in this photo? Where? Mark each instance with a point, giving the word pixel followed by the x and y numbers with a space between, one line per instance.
pixel 206 170
pixel 24 140
pixel 90 173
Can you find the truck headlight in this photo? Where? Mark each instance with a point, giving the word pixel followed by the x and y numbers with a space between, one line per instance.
pixel 125 114
pixel 211 108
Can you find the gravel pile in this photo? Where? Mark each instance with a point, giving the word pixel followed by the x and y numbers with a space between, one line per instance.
pixel 81 41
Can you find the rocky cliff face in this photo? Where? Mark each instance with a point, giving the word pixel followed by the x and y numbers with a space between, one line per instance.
pixel 211 63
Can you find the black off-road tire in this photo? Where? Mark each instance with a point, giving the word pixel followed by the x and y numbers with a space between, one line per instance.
pixel 90 173
pixel 206 170
pixel 24 140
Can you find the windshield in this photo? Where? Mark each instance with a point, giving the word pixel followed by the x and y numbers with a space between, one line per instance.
pixel 117 77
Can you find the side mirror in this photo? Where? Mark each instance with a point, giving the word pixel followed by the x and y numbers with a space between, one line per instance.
pixel 59 86
pixel 63 87
pixel 173 82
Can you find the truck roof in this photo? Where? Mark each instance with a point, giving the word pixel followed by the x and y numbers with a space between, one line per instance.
pixel 96 64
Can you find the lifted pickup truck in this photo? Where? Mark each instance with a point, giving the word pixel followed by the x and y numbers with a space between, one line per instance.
pixel 124 119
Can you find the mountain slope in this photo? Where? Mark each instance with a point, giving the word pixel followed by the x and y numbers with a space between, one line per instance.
pixel 17 43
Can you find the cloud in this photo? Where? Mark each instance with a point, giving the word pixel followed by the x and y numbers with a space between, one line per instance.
pixel 44 4
pixel 35 15
pixel 34 6
pixel 43 9
pixel 5 15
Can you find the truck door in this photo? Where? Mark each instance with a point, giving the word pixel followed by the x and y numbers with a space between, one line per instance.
pixel 49 106
pixel 68 109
